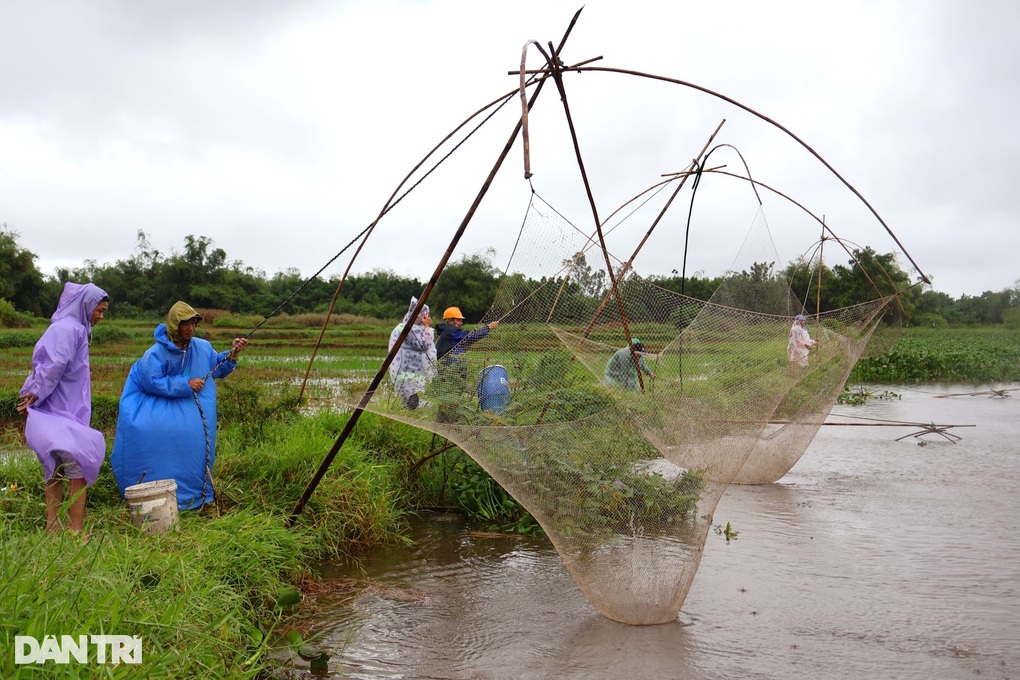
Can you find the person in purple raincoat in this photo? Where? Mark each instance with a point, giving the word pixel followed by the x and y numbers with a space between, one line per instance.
pixel 57 396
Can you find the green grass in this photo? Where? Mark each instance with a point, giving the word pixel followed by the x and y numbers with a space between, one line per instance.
pixel 201 596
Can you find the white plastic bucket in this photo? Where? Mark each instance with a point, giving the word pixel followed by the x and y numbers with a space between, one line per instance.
pixel 153 505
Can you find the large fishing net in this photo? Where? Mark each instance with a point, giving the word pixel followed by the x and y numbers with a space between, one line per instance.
pixel 618 418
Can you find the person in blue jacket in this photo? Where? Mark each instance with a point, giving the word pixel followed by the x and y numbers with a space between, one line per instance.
pixel 451 345
pixel 454 340
pixel 166 428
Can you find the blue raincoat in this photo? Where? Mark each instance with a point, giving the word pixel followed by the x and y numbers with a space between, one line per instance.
pixel 160 431
pixel 59 419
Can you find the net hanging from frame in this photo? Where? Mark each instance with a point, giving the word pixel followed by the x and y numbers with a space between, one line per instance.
pixel 622 456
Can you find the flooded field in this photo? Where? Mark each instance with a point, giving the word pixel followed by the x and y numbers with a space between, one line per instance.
pixel 872 558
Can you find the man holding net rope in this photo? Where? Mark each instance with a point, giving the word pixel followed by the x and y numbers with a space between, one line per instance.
pixel 166 428
pixel 454 340
pixel 450 348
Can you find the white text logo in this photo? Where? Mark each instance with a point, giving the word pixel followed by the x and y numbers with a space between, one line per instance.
pixel 113 649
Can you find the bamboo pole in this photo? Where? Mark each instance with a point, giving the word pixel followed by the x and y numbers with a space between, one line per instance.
pixel 377 379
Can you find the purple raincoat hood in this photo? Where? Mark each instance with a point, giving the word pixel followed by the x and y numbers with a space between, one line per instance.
pixel 78 301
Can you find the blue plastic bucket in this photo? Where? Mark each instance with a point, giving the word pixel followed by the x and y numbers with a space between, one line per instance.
pixel 493 389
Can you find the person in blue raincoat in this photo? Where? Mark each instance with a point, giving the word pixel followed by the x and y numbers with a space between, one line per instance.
pixel 621 371
pixel 166 428
pixel 415 362
pixel 57 397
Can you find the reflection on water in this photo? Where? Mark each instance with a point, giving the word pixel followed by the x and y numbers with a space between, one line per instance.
pixel 872 558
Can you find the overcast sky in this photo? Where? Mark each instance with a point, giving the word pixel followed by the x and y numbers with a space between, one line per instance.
pixel 279 129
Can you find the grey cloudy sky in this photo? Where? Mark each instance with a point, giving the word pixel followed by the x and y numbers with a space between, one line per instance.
pixel 279 129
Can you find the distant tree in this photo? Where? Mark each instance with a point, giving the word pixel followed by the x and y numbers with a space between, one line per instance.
pixel 21 283
pixel 1011 315
pixel 870 275
pixel 470 284
pixel 514 295
pixel 985 309
pixel 148 281
pixel 196 275
pixel 933 308
pixel 132 283
pixel 381 294
pixel 698 286
pixel 814 290
pixel 759 289
pixel 591 282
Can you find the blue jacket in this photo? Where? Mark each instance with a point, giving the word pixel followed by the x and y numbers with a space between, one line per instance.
pixel 454 341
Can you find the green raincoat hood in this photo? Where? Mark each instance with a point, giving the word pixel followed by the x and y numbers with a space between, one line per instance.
pixel 181 311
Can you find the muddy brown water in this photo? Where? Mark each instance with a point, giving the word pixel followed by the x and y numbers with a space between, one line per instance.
pixel 871 558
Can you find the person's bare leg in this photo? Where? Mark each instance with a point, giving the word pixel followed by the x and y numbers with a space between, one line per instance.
pixel 54 496
pixel 76 494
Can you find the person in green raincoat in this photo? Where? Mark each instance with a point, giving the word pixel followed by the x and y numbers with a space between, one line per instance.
pixel 620 369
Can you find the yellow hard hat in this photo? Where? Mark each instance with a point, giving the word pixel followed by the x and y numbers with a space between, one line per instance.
pixel 453 313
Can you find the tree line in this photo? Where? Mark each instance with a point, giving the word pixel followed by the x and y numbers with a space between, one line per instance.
pixel 147 282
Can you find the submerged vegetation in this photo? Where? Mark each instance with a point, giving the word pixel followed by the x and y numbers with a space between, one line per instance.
pixel 861 394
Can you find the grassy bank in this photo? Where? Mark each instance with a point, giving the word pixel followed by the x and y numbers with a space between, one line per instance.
pixel 214 597
pixel 203 597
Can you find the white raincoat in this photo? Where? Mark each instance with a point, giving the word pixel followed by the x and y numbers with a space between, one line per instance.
pixel 800 343
pixel 415 363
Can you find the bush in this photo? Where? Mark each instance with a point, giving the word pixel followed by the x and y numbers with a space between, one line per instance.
pixel 232 321
pixel 25 338
pixel 8 406
pixel 108 334
pixel 929 320
pixel 1011 318
pixel 211 315
pixel 315 320
pixel 12 318
pixel 104 412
